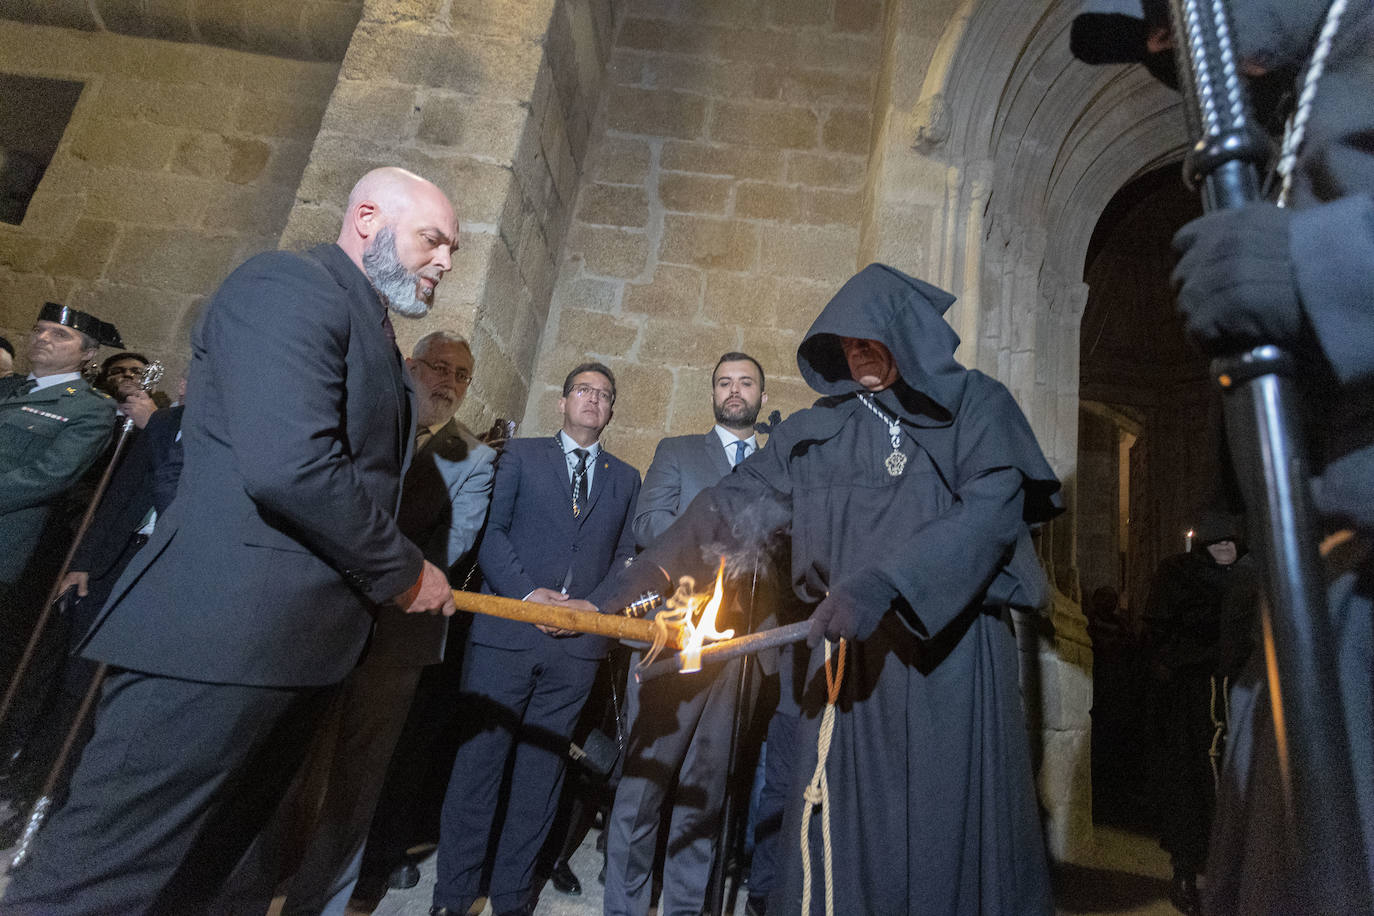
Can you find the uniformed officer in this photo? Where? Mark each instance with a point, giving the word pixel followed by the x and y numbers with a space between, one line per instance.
pixel 53 425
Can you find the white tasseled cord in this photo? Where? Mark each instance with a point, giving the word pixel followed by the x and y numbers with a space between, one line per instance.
pixel 1297 124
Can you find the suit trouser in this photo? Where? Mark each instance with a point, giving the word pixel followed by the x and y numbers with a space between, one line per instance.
pixel 520 706
pixel 177 780
pixel 778 776
pixel 407 810
pixel 680 727
pixel 372 704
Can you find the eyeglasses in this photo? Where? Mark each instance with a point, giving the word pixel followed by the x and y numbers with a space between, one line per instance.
pixel 461 376
pixel 587 391
pixel 130 371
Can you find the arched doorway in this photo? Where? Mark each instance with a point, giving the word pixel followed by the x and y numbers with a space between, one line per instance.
pixel 1146 462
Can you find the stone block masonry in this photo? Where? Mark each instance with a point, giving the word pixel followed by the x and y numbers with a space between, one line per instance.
pixel 720 208
pixel 493 102
pixel 178 163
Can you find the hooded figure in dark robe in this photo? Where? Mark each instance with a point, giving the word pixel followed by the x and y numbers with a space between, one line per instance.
pixel 908 502
pixel 1186 623
pixel 1300 276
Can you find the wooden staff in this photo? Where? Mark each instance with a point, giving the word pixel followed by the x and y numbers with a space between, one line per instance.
pixel 617 626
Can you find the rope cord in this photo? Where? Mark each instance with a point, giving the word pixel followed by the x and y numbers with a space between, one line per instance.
pixel 1297 124
pixel 817 791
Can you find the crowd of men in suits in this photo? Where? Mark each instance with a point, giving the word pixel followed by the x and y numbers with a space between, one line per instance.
pixel 264 583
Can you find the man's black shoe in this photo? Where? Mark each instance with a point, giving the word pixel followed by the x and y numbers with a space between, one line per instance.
pixel 403 876
pixel 1184 896
pixel 564 881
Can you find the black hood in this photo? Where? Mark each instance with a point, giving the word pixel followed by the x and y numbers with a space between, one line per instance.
pixel 905 314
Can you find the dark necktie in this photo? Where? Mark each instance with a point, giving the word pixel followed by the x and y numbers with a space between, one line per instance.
pixel 387 329
pixel 740 445
pixel 579 481
pixel 422 437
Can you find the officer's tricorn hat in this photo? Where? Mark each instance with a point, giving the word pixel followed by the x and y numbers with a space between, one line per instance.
pixel 102 332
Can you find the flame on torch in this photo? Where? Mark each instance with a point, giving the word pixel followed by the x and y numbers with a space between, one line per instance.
pixel 705 627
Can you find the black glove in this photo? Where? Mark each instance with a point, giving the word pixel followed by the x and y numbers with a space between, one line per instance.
pixel 851 610
pixel 1235 282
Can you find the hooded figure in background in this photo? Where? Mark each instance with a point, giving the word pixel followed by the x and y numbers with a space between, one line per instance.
pixel 1200 601
pixel 908 490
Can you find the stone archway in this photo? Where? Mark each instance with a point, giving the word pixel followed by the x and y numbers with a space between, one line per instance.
pixel 994 155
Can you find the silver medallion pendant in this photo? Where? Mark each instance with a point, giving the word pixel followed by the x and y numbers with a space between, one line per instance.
pixel 895 464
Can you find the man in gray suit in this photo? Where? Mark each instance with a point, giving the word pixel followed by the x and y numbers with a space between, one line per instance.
pixel 679 727
pixel 444 502
pixel 258 589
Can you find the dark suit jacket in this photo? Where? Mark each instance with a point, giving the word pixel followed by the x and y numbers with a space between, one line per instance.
pixel 533 541
pixel 443 505
pixel 282 539
pixel 48 439
pixel 131 493
pixel 683 466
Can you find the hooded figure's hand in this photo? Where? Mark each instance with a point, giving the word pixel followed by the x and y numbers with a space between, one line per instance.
pixel 851 610
pixel 1235 281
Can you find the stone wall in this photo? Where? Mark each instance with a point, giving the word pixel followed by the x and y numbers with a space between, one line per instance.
pixel 720 209
pixel 494 102
pixel 179 162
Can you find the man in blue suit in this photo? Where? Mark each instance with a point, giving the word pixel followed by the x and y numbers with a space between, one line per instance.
pixel 258 588
pixel 679 728
pixel 560 523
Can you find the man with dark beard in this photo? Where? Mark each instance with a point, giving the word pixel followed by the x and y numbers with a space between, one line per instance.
pixel 258 588
pixel 679 728
pixel 908 489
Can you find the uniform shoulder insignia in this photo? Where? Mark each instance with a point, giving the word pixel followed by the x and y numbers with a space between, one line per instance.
pixel 99 392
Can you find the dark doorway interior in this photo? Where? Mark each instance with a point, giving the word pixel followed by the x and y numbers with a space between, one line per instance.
pixel 1146 464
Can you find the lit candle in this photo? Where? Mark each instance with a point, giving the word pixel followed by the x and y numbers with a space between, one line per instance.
pixel 1188 541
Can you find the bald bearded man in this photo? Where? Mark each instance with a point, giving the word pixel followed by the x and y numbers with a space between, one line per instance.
pixel 258 588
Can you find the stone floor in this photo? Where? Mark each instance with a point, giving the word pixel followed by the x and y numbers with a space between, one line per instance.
pixel 1128 876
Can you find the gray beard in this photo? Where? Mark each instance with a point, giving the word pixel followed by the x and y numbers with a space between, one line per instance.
pixel 397 287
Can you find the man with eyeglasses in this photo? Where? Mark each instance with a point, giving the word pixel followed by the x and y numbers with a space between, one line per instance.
pixel 443 505
pixel 560 522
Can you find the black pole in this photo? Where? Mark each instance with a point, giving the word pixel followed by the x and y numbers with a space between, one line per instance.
pixel 1260 404
pixel 725 834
